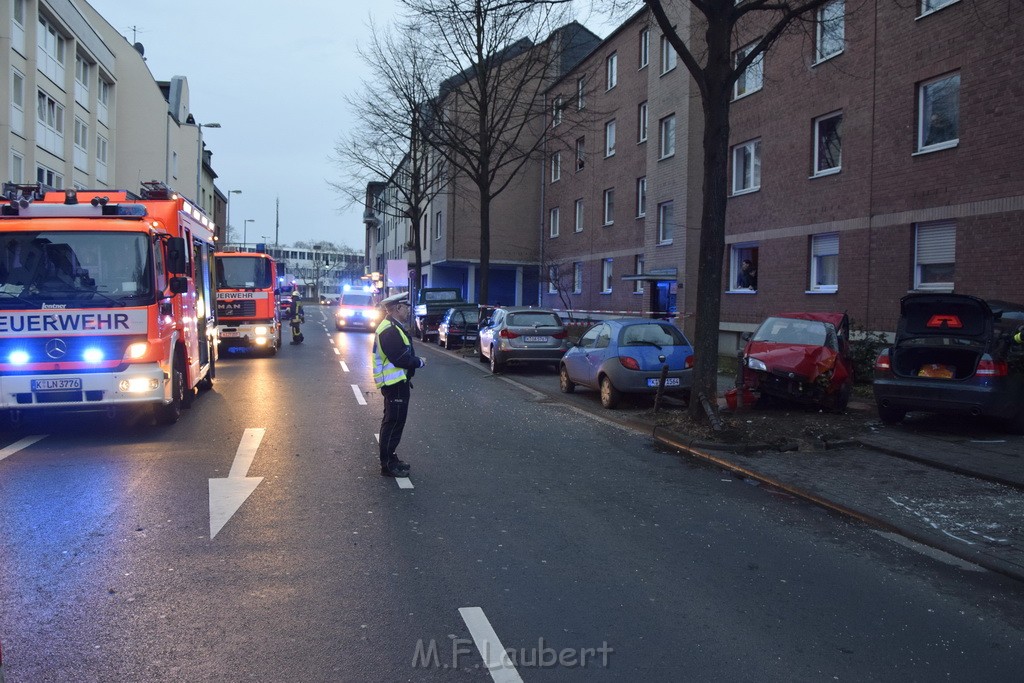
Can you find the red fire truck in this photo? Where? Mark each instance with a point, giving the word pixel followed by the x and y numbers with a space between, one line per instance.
pixel 247 310
pixel 105 300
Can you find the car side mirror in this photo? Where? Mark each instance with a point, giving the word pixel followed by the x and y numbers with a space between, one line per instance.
pixel 176 255
pixel 570 344
pixel 178 285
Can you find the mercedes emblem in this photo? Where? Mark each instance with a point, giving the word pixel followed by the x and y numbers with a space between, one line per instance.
pixel 56 349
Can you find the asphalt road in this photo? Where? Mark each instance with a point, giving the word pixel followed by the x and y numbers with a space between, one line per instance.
pixel 527 523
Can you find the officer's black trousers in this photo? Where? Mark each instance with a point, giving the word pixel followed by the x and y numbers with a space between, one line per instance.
pixel 396 409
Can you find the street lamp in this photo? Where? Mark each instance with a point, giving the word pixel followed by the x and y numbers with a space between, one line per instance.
pixel 199 160
pixel 230 192
pixel 245 230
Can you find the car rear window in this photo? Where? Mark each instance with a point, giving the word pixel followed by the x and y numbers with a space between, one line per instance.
pixel 470 315
pixel 791 331
pixel 534 319
pixel 644 335
pixel 356 300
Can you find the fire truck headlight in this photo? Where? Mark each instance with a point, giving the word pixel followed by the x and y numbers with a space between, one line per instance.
pixel 262 331
pixel 18 357
pixel 138 385
pixel 136 350
pixel 93 355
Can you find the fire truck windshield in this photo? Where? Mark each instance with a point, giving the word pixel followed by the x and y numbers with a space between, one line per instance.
pixel 243 272
pixel 80 269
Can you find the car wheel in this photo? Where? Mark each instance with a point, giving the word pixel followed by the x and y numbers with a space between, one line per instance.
pixel 890 416
pixel 206 383
pixel 609 394
pixel 564 383
pixel 496 365
pixel 169 414
pixel 838 401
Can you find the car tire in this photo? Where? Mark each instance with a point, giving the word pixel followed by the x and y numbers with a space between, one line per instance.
pixel 838 401
pixel 564 383
pixel 496 365
pixel 168 414
pixel 891 416
pixel 609 394
pixel 206 383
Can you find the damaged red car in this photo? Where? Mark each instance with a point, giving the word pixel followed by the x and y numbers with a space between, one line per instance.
pixel 801 357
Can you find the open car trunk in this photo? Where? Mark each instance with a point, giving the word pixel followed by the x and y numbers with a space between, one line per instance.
pixel 942 336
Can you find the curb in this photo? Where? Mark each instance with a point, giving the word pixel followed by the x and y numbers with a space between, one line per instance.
pixel 938 464
pixel 975 556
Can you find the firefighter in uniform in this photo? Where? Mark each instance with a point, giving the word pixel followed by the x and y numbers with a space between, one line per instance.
pixel 394 364
pixel 297 317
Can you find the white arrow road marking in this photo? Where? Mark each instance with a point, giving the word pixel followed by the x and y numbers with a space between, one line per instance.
pixel 403 482
pixel 227 495
pixel 495 658
pixel 359 395
pixel 344 366
pixel 20 444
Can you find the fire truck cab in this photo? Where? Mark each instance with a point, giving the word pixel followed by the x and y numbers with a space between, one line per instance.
pixel 105 300
pixel 247 309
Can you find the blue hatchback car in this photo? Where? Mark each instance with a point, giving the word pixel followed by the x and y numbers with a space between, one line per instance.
pixel 626 356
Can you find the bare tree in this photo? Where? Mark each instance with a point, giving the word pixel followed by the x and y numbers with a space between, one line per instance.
pixel 387 144
pixel 489 119
pixel 561 277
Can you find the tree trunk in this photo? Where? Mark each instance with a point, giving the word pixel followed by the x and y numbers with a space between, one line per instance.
pixel 485 246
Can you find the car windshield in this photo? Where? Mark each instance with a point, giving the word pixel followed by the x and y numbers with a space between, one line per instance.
pixel 86 268
pixel 652 334
pixel 356 300
pixel 243 272
pixel 793 331
pixel 534 319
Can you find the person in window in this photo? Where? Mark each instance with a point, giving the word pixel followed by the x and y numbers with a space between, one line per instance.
pixel 748 275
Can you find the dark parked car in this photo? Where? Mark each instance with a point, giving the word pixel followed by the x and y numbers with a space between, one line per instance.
pixel 627 356
pixel 522 335
pixel 458 326
pixel 953 354
pixel 801 357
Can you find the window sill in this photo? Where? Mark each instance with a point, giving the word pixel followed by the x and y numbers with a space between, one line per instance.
pixel 937 9
pixel 736 98
pixel 826 172
pixel 605 291
pixel 667 156
pixel 666 72
pixel 937 148
pixel 826 58
pixel 737 193
pixel 640 216
pixel 609 156
pixel 834 290
pixel 665 243
pixel 608 225
pixel 741 291
pixel 934 289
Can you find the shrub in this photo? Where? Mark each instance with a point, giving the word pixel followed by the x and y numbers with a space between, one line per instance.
pixel 865 345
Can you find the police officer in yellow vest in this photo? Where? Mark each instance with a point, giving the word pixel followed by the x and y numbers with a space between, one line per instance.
pixel 394 364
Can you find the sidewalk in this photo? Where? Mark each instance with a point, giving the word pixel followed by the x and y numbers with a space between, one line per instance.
pixel 960 495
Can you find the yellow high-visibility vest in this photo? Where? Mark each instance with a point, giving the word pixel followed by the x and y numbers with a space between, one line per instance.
pixel 384 371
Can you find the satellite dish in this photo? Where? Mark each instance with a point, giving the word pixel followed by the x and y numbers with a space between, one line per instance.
pixel 140 49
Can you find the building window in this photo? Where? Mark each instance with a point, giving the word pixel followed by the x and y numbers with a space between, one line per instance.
pixel 577 278
pixel 752 77
pixel 609 138
pixel 746 167
pixel 666 222
pixel 556 166
pixel 641 197
pixel 49 177
pixel 645 47
pixel 581 154
pixel 51 52
pixel 579 215
pixel 641 123
pixel 82 75
pixel 438 226
pixel 18 25
pixel 929 6
pixel 552 279
pixel 609 206
pixel 606 276
pixel 556 111
pixel 743 267
pixel 828 144
pixel 668 56
pixel 581 93
pixel 101 158
pixel 825 262
pixel 50 124
pixel 830 30
pixel 103 100
pixel 935 255
pixel 553 219
pixel 612 71
pixel 81 150
pixel 667 132
pixel 938 113
pixel 17 168
pixel 638 285
pixel 17 102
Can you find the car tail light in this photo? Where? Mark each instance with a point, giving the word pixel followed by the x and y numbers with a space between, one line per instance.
pixel 992 368
pixel 689 363
pixel 882 362
pixel 560 335
pixel 508 334
pixel 629 363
